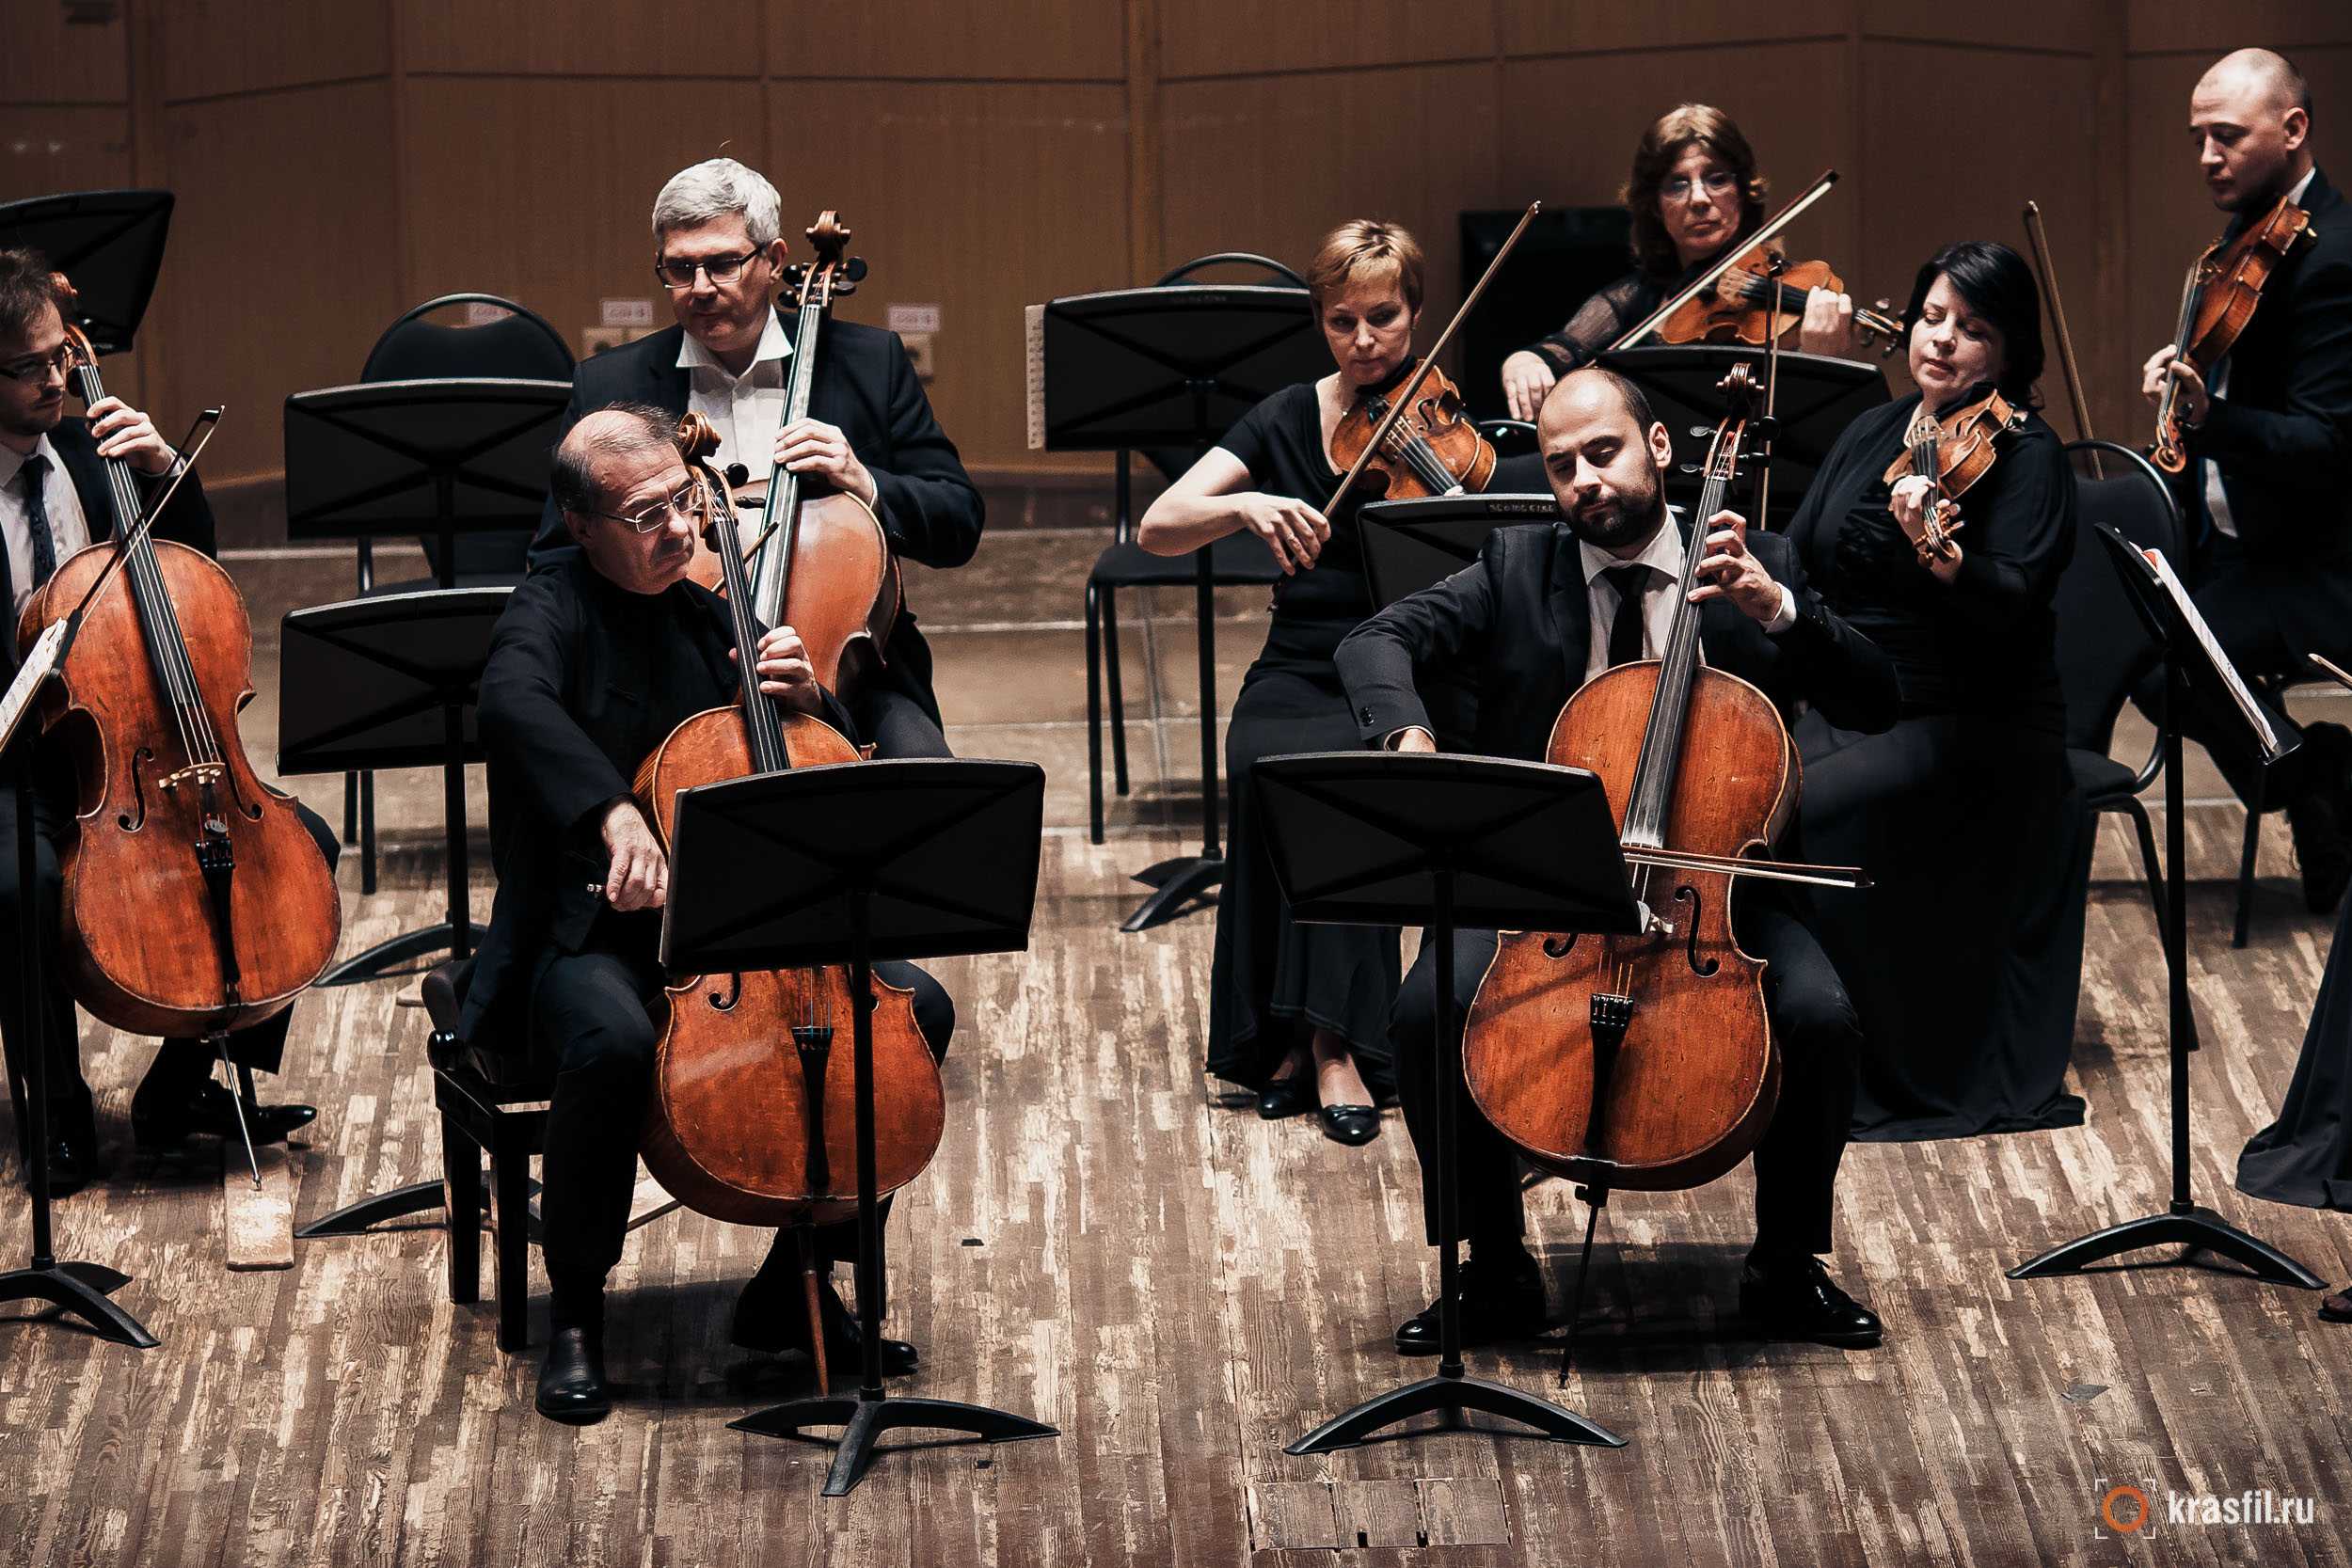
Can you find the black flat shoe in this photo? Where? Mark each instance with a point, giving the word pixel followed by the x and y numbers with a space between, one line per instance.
pixel 2336 1308
pixel 771 1315
pixel 1794 1298
pixel 212 1113
pixel 70 1168
pixel 571 1379
pixel 1294 1096
pixel 1350 1124
pixel 1500 1300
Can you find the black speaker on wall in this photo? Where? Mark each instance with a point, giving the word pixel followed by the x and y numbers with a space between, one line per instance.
pixel 1566 254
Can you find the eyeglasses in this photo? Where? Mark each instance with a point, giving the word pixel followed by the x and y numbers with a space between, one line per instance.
pixel 678 272
pixel 648 518
pixel 1716 181
pixel 34 368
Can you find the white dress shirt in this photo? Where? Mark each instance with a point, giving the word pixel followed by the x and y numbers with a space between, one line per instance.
pixel 69 529
pixel 746 410
pixel 1665 558
pixel 2217 498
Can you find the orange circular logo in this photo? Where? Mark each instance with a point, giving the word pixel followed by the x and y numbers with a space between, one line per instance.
pixel 2140 1513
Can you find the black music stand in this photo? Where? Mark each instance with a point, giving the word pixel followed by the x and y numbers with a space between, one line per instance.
pixel 1174 366
pixel 1819 396
pixel 918 858
pixel 2186 1223
pixel 109 243
pixel 390 681
pixel 78 1288
pixel 1366 838
pixel 1410 545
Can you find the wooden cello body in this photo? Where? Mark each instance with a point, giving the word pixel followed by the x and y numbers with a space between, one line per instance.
pixel 195 900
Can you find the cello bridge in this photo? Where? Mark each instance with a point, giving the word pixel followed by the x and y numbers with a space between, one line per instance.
pixel 201 774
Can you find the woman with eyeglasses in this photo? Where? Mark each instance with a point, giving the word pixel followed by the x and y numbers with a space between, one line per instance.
pixel 1694 192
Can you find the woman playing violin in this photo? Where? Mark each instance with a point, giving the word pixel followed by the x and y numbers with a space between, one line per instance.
pixel 1965 956
pixel 1300 1012
pixel 1693 191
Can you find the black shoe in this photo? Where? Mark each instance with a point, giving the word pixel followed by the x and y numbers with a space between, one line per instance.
pixel 70 1168
pixel 1792 1297
pixel 571 1379
pixel 772 1315
pixel 1350 1124
pixel 2337 1309
pixel 1294 1096
pixel 1502 1298
pixel 164 1116
pixel 2317 816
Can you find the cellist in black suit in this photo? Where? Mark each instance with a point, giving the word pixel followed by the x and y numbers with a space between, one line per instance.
pixel 1543 609
pixel 719 252
pixel 54 502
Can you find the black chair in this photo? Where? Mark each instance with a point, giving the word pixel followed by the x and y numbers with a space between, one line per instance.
pixel 1518 463
pixel 1235 560
pixel 520 344
pixel 2272 692
pixel 2102 647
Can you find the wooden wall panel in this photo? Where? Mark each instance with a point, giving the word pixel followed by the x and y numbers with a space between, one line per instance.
pixel 210 47
pixel 1916 197
pixel 45 151
pixel 1788 98
pixel 1007 39
pixel 1270 163
pixel 600 38
pixel 1233 38
pixel 280 272
pixel 45 60
pixel 2187 26
pixel 982 198
pixel 1580 27
pixel 2073 27
pixel 541 190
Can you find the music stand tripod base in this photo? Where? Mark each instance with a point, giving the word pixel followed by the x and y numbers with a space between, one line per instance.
pixel 2192 1227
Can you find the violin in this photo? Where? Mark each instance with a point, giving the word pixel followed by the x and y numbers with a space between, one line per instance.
pixel 1953 452
pixel 195 903
pixel 1758 296
pixel 1432 449
pixel 1647 1061
pixel 747 1121
pixel 825 567
pixel 2219 298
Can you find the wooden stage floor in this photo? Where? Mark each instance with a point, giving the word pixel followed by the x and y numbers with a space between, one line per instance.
pixel 1182 1289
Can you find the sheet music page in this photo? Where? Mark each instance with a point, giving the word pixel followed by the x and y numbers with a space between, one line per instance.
pixel 2255 718
pixel 40 662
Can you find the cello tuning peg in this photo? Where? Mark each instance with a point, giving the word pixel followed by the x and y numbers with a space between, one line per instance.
pixel 854 270
pixel 1702 432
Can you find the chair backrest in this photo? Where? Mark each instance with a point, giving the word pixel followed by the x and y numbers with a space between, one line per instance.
pixel 520 344
pixel 2102 647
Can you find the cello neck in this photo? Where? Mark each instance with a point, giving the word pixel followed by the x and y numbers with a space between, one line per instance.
pixel 762 731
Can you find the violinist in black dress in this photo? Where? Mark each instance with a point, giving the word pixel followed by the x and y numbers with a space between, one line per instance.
pixel 1300 1012
pixel 1965 956
pixel 1694 193
pixel 2268 435
pixel 1545 609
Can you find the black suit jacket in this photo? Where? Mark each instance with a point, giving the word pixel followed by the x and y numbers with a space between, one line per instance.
pixel 866 387
pixel 187 521
pixel 1519 625
pixel 583 680
pixel 2282 433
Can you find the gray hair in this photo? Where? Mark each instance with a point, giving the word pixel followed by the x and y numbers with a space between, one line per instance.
pixel 717 188
pixel 616 430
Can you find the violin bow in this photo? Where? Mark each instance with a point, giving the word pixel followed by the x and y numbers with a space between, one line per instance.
pixel 1412 383
pixel 2039 240
pixel 1732 253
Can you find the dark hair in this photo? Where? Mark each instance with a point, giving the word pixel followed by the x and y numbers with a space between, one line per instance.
pixel 1669 136
pixel 572 480
pixel 27 285
pixel 1999 286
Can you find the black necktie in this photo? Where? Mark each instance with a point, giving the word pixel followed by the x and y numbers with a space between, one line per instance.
pixel 37 519
pixel 1625 632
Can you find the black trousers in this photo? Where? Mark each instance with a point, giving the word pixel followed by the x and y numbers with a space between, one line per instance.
pixel 1796 1163
pixel 897 724
pixel 593 1015
pixel 71 1109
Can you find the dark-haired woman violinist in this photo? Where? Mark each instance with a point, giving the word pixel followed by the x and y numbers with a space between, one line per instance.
pixel 1964 958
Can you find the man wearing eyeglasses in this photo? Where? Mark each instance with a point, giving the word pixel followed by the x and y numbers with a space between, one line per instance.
pixel 597 659
pixel 719 252
pixel 54 502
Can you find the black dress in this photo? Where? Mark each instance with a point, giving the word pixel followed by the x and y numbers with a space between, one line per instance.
pixel 2305 1157
pixel 1610 314
pixel 1964 959
pixel 1270 971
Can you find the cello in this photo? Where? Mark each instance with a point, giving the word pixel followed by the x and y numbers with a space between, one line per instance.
pixel 195 903
pixel 746 1122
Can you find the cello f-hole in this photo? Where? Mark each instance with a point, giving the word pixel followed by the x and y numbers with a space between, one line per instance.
pixel 725 1002
pixel 1558 947
pixel 1686 893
